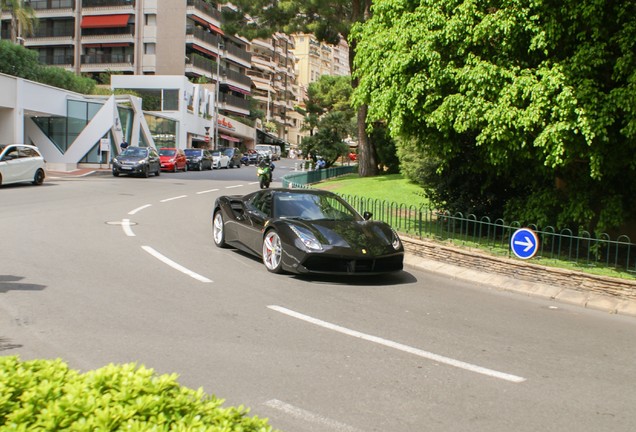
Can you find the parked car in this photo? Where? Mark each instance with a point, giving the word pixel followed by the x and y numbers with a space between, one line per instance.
pixel 306 231
pixel 264 150
pixel 198 159
pixel 235 156
pixel 220 160
pixel 173 159
pixel 21 163
pixel 251 157
pixel 137 161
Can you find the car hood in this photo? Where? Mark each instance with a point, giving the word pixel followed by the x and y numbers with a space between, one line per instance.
pixel 131 158
pixel 372 237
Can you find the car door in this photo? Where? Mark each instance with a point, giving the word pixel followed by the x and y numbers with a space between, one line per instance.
pixel 259 210
pixel 154 160
pixel 30 162
pixel 12 166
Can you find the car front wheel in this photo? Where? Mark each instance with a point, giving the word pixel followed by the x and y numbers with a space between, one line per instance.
pixel 218 230
pixel 273 252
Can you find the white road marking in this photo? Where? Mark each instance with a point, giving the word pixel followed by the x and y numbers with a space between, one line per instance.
pixel 174 265
pixel 207 191
pixel 415 351
pixel 309 416
pixel 232 187
pixel 173 198
pixel 253 183
pixel 138 209
pixel 125 224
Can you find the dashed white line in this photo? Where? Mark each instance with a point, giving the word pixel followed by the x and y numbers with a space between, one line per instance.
pixel 174 265
pixel 173 198
pixel 207 191
pixel 232 187
pixel 125 224
pixel 405 348
pixel 309 416
pixel 138 209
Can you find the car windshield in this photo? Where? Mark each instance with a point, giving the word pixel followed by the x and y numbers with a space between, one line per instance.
pixel 313 207
pixel 216 153
pixel 167 152
pixel 192 152
pixel 135 152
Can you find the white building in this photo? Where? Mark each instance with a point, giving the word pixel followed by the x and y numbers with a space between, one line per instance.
pixel 71 130
pixel 191 106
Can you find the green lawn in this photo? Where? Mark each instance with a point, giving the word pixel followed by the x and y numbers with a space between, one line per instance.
pixel 396 188
pixel 392 188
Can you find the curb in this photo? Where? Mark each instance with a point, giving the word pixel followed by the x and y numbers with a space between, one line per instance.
pixel 433 257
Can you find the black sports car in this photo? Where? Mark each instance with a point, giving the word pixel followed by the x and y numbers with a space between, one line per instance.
pixel 306 231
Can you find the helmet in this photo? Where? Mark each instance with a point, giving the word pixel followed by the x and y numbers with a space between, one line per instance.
pixel 266 159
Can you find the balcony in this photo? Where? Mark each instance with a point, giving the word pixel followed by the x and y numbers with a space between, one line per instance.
pixel 103 62
pixel 206 8
pixel 107 3
pixel 234 103
pixel 40 5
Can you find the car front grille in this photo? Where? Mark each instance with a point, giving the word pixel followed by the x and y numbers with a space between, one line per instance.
pixel 321 264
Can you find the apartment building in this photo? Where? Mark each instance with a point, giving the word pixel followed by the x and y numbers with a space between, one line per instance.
pixel 275 90
pixel 144 37
pixel 314 58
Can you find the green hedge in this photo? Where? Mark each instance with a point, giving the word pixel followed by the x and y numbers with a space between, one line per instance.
pixel 47 395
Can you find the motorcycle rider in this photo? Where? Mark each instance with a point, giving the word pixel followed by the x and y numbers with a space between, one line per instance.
pixel 265 162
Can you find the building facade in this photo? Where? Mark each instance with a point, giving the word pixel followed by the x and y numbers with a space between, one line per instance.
pixel 99 38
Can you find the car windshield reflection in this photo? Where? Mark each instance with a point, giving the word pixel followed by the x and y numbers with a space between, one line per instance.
pixel 312 207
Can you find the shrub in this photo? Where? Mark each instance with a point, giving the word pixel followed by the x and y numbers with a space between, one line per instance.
pixel 47 395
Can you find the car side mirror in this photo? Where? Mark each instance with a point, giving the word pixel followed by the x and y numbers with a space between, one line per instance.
pixel 367 215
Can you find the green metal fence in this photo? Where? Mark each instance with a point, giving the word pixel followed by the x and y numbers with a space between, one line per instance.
pixel 581 248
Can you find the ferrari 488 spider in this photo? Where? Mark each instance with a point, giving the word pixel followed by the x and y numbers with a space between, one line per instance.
pixel 306 231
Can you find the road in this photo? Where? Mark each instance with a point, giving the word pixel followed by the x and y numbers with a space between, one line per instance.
pixel 100 269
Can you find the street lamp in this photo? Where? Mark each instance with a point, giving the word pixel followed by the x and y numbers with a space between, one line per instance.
pixel 220 48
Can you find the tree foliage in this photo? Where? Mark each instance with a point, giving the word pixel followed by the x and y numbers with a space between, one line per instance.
pixel 23 19
pixel 23 63
pixel 525 108
pixel 330 117
pixel 327 20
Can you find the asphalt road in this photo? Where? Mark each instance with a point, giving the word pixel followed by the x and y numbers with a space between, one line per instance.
pixel 101 269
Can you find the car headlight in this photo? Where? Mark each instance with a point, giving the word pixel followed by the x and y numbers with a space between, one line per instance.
pixel 395 240
pixel 309 240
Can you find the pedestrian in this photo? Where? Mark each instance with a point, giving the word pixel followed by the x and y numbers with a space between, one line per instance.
pixel 123 145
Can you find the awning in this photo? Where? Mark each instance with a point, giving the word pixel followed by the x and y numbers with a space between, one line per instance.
pixel 203 50
pixel 216 29
pixel 229 138
pixel 240 90
pixel 105 21
pixel 262 86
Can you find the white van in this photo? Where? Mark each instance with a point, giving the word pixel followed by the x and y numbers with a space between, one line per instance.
pixel 264 150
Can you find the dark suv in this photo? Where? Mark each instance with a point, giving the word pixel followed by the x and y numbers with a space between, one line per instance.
pixel 235 156
pixel 198 159
pixel 137 161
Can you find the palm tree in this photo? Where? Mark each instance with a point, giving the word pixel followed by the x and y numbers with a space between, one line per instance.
pixel 23 19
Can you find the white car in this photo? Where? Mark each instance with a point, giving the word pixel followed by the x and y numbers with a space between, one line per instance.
pixel 220 160
pixel 21 163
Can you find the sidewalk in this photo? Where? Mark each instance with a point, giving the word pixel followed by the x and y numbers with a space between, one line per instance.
pixel 80 172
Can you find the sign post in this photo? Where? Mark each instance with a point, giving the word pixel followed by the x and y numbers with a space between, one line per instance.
pixel 524 243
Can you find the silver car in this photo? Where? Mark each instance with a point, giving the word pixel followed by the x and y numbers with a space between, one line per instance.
pixel 21 163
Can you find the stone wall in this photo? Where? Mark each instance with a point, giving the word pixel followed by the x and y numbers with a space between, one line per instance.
pixel 520 270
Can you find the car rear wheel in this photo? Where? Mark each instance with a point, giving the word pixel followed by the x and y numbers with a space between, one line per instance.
pixel 218 230
pixel 272 252
pixel 38 179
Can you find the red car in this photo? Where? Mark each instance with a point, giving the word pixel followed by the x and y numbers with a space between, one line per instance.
pixel 173 159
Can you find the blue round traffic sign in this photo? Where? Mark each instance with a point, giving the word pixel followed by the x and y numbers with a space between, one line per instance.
pixel 524 243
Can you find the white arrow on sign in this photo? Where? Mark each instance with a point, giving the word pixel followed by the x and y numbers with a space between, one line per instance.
pixel 527 243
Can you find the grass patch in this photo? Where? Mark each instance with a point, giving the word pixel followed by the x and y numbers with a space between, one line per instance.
pixel 391 187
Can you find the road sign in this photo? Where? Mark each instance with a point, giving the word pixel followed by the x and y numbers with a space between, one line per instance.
pixel 524 243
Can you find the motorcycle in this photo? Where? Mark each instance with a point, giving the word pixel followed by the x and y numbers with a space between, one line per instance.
pixel 264 174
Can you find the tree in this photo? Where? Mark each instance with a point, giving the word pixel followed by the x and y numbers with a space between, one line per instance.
pixel 522 107
pixel 329 116
pixel 327 20
pixel 23 19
